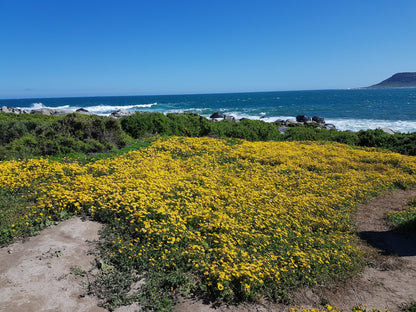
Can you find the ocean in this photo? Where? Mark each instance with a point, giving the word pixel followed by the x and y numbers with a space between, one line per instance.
pixel 352 109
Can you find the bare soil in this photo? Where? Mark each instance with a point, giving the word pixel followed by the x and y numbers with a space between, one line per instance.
pixel 44 273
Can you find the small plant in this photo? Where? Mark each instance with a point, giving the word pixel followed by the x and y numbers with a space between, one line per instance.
pixel 410 307
pixel 77 271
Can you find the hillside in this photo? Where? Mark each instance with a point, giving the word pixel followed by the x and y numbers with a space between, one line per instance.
pixel 399 80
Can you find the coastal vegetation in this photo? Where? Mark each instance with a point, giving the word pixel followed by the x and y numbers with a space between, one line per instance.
pixel 229 211
pixel 29 135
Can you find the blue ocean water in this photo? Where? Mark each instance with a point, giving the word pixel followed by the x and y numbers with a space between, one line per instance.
pixel 352 109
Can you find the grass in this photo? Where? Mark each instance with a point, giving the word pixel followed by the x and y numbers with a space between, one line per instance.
pixel 404 220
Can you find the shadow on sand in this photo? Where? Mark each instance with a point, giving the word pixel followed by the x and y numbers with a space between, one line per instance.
pixel 390 242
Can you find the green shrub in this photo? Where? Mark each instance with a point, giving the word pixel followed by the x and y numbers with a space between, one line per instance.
pixel 140 124
pixel 252 130
pixel 105 130
pixel 373 138
pixel 188 124
pixel 30 135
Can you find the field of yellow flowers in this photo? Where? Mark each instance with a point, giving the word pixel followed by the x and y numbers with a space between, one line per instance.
pixel 236 219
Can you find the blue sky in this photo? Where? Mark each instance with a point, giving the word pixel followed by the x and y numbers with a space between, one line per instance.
pixel 125 47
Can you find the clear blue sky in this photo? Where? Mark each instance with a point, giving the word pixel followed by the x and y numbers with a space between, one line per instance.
pixel 55 48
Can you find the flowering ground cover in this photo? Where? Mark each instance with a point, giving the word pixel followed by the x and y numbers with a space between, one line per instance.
pixel 233 219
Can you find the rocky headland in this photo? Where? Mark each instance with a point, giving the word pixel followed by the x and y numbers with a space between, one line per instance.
pixel 399 80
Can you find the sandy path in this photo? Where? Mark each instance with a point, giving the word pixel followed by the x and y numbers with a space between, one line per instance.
pixel 35 275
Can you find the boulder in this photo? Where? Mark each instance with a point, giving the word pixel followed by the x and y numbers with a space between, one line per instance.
pixel 61 112
pixel 282 129
pixel 217 115
pixel 121 113
pixel 82 111
pixel 228 117
pixel 43 111
pixel 329 126
pixel 289 122
pixel 6 109
pixel 389 131
pixel 303 118
pixel 318 119
pixel 50 111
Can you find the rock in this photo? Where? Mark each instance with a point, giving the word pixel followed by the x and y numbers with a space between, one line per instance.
pixel 50 111
pixel 121 113
pixel 318 119
pixel 282 129
pixel 228 117
pixel 43 111
pixel 61 112
pixel 6 109
pixel 289 122
pixel 302 118
pixel 389 131
pixel 82 111
pixel 329 126
pixel 217 115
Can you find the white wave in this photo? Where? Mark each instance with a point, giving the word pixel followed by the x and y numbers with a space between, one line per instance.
pixel 187 110
pixel 37 106
pixel 65 107
pixel 102 110
pixel 364 124
pixel 106 109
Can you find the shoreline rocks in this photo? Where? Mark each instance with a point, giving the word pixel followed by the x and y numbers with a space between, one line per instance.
pixel 217 116
pixel 7 109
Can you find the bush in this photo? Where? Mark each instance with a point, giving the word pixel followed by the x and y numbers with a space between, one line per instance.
pixel 252 130
pixel 37 135
pixel 189 124
pixel 105 130
pixel 140 124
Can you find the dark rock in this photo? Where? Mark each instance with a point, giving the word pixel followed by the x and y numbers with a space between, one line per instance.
pixel 217 115
pixel 302 118
pixel 318 119
pixel 82 111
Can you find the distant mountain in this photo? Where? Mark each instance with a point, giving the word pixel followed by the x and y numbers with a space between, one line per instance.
pixel 399 80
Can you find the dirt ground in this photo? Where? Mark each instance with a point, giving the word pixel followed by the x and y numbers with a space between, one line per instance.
pixel 43 273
